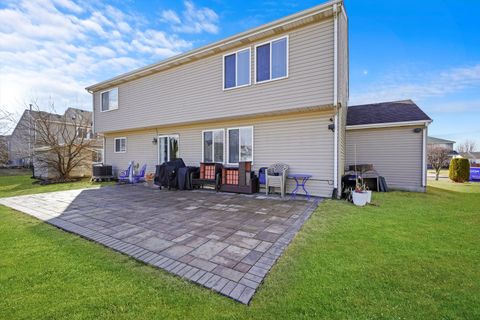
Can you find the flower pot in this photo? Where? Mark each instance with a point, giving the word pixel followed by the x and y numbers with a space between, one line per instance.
pixel 369 197
pixel 149 183
pixel 360 198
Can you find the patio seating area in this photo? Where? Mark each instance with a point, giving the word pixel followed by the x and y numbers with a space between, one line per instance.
pixel 223 241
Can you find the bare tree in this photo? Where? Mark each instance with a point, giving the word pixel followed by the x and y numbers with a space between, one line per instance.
pixel 7 121
pixel 61 142
pixel 467 146
pixel 438 157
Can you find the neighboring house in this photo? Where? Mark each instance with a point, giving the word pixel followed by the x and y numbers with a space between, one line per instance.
pixel 4 143
pixel 276 93
pixel 473 157
pixel 392 136
pixel 443 143
pixel 25 147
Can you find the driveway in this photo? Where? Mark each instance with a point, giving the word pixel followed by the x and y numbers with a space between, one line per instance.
pixel 225 242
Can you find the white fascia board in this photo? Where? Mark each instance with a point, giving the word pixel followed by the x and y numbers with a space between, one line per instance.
pixel 389 125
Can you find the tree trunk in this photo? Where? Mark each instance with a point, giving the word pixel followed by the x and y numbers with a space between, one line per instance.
pixel 436 175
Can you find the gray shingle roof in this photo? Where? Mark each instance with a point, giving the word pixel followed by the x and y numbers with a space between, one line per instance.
pixel 385 112
pixel 433 140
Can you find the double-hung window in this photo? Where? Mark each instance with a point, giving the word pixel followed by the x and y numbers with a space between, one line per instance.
pixel 236 68
pixel 110 99
pixel 120 145
pixel 271 60
pixel 213 145
pixel 240 144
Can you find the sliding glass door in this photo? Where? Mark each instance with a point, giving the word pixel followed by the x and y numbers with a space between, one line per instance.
pixel 168 148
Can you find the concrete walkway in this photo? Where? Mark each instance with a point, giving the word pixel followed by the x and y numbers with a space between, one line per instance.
pixel 225 242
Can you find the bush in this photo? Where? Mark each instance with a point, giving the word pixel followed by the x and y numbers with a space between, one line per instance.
pixel 459 170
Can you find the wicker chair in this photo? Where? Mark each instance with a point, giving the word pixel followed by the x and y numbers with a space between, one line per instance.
pixel 277 177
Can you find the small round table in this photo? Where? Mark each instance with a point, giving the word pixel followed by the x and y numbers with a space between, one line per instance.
pixel 301 180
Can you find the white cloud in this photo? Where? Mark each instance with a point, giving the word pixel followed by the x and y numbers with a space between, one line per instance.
pixel 55 48
pixel 418 86
pixel 193 19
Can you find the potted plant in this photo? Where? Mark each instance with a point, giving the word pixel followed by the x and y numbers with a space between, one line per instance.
pixel 149 177
pixel 360 195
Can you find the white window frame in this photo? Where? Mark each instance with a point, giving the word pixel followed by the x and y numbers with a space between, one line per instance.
pixel 236 69
pixel 239 144
pixel 287 57
pixel 213 147
pixel 168 145
pixel 115 145
pixel 101 100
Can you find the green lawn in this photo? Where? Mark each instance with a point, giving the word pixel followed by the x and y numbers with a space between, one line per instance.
pixel 411 255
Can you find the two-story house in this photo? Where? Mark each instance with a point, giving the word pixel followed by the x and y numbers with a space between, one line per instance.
pixel 276 93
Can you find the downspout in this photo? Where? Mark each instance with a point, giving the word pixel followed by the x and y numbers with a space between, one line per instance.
pixel 335 99
pixel 424 156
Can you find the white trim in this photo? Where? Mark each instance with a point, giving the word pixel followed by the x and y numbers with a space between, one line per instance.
pixel 213 146
pixel 335 152
pixel 389 124
pixel 115 145
pixel 101 99
pixel 176 135
pixel 103 149
pixel 236 69
pixel 287 57
pixel 335 97
pixel 303 15
pixel 424 157
pixel 239 144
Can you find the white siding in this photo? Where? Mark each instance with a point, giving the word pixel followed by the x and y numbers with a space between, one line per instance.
pixel 301 140
pixel 396 154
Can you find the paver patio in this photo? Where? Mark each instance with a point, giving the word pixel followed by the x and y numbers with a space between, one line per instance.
pixel 225 242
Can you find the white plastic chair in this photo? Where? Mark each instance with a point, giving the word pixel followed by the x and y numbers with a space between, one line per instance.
pixel 276 176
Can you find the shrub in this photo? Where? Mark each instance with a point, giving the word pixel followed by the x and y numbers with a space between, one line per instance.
pixel 459 170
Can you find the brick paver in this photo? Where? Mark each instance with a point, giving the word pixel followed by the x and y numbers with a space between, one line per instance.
pixel 225 242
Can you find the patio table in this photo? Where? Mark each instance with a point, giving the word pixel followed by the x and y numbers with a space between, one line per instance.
pixel 300 180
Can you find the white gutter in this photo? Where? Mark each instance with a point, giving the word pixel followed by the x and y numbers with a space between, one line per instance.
pixel 424 156
pixel 335 96
pixel 389 124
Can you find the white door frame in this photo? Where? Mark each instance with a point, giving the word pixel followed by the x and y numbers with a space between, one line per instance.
pixel 168 136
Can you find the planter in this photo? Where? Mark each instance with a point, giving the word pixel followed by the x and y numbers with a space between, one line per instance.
pixel 369 197
pixel 360 198
pixel 149 183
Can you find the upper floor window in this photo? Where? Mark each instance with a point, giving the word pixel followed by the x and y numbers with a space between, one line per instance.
pixel 213 145
pixel 110 99
pixel 272 60
pixel 120 145
pixel 236 68
pixel 240 144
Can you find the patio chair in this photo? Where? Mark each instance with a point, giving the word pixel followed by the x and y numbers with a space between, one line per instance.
pixel 277 177
pixel 140 177
pixel 124 176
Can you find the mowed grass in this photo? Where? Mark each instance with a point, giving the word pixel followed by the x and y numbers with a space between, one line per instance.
pixel 17 185
pixel 410 255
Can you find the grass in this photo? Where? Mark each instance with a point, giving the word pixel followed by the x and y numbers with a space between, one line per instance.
pixel 17 185
pixel 410 255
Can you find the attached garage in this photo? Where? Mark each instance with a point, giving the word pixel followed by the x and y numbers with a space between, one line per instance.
pixel 392 136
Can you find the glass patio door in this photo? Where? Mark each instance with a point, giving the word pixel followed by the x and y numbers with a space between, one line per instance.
pixel 168 148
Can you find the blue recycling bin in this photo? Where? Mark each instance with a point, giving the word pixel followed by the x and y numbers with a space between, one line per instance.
pixel 475 174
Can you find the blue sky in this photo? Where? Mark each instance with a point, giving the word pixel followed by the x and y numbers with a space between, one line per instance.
pixel 428 51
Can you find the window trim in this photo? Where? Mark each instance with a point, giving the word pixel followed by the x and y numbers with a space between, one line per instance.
pixel 239 144
pixel 236 69
pixel 271 51
pixel 213 145
pixel 115 145
pixel 101 99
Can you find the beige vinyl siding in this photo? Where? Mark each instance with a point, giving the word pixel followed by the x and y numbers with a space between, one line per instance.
pixel 396 154
pixel 194 91
pixel 301 140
